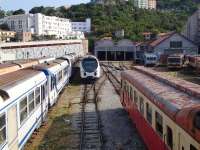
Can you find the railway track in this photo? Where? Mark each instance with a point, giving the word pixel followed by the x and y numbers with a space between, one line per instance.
pixel 111 74
pixel 90 129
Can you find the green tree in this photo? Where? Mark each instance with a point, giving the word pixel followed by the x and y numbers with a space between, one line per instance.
pixel 18 12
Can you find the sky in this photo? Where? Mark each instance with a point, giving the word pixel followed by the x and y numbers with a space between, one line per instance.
pixel 28 4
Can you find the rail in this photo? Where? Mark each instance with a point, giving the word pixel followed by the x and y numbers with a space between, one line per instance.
pixel 91 134
pixel 108 70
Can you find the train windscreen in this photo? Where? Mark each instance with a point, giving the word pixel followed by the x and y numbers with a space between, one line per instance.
pixel 174 60
pixel 89 64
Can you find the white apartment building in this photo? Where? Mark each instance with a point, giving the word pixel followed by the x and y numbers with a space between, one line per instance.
pixel 145 4
pixel 39 24
pixel 152 4
pixel 82 26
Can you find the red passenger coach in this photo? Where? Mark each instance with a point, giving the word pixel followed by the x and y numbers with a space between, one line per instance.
pixel 167 118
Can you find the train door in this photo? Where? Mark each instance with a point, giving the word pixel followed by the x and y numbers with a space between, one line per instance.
pixel 44 100
pixel 12 128
pixel 52 93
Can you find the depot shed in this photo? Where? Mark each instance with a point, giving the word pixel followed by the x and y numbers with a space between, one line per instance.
pixel 123 50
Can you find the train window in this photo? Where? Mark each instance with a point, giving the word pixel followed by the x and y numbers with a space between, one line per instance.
pixel 142 105
pixel 37 96
pixel 53 83
pixel 127 87
pixel 31 104
pixel 23 109
pixel 66 70
pixel 197 121
pixel 169 137
pixel 59 76
pixel 131 92
pixel 159 124
pixel 135 98
pixel 192 147
pixel 149 113
pixel 2 129
pixel 44 91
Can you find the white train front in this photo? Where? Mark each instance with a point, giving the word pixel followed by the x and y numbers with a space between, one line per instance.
pixel 90 67
pixel 25 98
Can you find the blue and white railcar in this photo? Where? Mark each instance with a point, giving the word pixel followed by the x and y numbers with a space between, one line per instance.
pixel 90 67
pixel 23 106
pixel 57 76
pixel 69 59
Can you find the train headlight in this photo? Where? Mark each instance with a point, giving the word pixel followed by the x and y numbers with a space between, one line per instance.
pixel 95 73
pixel 84 74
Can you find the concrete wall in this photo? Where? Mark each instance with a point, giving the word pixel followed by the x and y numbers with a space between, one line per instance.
pixel 191 28
pixel 39 49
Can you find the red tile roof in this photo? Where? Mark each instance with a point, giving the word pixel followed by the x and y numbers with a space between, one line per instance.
pixel 162 38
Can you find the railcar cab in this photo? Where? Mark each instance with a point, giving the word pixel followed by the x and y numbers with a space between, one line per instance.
pixel 57 76
pixel 69 60
pixel 22 107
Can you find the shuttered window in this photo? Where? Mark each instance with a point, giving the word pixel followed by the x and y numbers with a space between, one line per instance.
pixel 2 129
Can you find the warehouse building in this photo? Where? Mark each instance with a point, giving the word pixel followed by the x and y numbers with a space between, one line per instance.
pixel 123 50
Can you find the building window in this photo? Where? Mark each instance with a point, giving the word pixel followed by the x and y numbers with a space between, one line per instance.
pixel 37 96
pixel 169 137
pixel 2 129
pixel 31 104
pixel 20 24
pixel 149 113
pixel 142 105
pixel 12 25
pixel 23 109
pixel 159 124
pixel 175 44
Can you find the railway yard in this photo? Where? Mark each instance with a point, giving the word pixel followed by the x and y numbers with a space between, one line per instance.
pixel 90 117
pixel 129 107
pixel 89 114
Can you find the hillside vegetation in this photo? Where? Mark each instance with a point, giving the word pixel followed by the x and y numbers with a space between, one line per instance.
pixel 117 14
